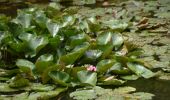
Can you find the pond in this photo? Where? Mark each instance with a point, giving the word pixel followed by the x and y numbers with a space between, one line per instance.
pixel 145 36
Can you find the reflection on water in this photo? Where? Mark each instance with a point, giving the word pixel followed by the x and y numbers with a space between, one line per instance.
pixel 160 88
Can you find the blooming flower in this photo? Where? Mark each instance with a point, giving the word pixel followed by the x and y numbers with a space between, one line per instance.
pixel 91 68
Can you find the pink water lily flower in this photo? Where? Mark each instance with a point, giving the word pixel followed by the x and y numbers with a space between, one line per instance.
pixel 91 68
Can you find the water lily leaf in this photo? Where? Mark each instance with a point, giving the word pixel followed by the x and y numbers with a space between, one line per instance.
pixel 3 37
pixel 77 40
pixel 107 49
pixel 83 94
pixel 19 82
pixel 163 15
pixel 40 87
pixel 87 77
pixel 83 2
pixel 104 38
pixel 4 79
pixel 68 20
pixel 112 82
pixel 22 96
pixel 45 77
pixel 116 25
pixel 55 41
pixel 4 88
pixel 115 39
pixel 71 57
pixel 46 95
pixel 104 65
pixel 25 65
pixel 18 46
pixel 6 73
pixel 93 54
pixel 43 62
pixel 40 18
pixel 140 70
pixel 59 77
pixel 124 90
pixel 15 29
pixel 130 77
pixel 144 96
pixel 35 43
pixel 26 36
pixel 53 28
pixel 24 19
pixel 117 68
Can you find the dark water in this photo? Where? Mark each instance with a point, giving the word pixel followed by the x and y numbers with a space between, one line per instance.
pixel 160 88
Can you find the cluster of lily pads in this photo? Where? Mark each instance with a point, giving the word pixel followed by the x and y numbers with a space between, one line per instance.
pixel 63 49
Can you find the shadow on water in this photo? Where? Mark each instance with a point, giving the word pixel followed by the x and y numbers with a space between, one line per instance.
pixel 160 88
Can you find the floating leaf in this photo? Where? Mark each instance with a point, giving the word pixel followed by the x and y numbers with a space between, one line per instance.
pixel 24 19
pixel 104 38
pixel 53 28
pixel 77 40
pixel 140 70
pixel 114 39
pixel 117 68
pixel 143 95
pixel 59 77
pixel 124 90
pixel 19 82
pixel 43 62
pixel 83 95
pixel 87 77
pixel 40 18
pixel 104 65
pixel 35 43
pixel 46 95
pixel 4 88
pixel 25 65
pixel 93 54
pixel 74 55
pixel 116 25
pixel 112 82
pixel 130 77
pixel 40 87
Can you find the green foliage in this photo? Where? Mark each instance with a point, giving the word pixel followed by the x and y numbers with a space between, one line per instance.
pixel 25 65
pixel 58 48
pixel 87 77
pixel 99 93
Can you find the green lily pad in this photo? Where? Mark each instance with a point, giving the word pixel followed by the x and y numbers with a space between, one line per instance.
pixel 140 70
pixel 59 77
pixel 25 65
pixel 104 65
pixel 43 62
pixel 71 57
pixel 87 77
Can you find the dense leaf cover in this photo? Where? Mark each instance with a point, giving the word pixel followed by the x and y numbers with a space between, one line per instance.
pixel 49 46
